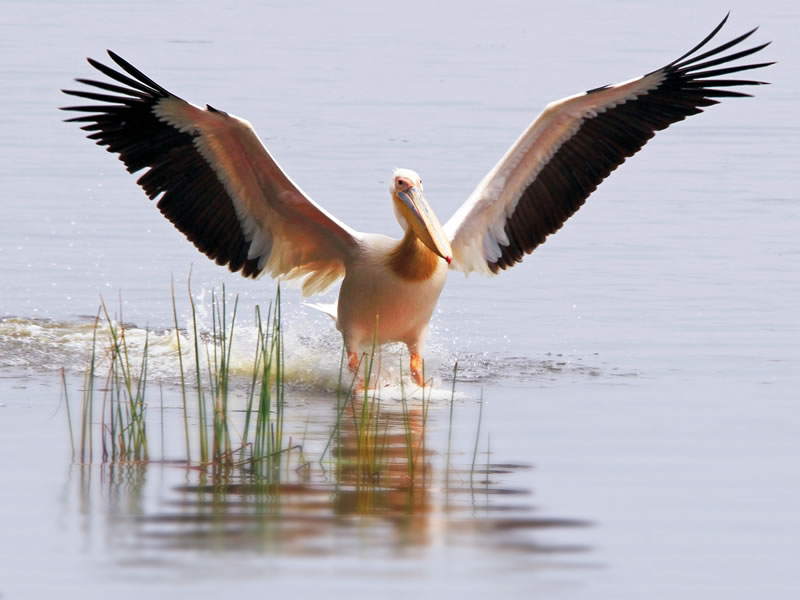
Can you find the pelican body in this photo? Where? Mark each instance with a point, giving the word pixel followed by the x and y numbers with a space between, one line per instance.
pixel 390 293
pixel 218 184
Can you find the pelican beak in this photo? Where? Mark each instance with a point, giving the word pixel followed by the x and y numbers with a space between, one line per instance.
pixel 423 221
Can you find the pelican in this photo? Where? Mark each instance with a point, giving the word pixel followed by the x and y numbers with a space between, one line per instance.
pixel 219 185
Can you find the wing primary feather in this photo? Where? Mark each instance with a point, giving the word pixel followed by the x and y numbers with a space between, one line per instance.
pixel 720 48
pixel 689 66
pixel 706 39
pixel 110 87
pixel 736 69
pixel 117 76
pixel 100 97
pixel 189 193
pixel 577 142
pixel 212 178
pixel 131 70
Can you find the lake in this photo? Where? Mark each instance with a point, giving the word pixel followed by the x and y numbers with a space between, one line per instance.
pixel 625 420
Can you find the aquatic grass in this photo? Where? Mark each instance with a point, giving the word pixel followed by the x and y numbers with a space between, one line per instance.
pixel 264 412
pixel 367 422
pixel 122 414
pixel 180 368
pixel 266 449
pixel 447 464
pixel 477 440
pixel 336 430
pixel 450 419
pixel 201 405
pixel 124 403
pixel 88 399
pixel 219 376
pixel 252 472
pixel 127 424
pixel 257 484
pixel 65 396
pixel 377 447
pixel 373 444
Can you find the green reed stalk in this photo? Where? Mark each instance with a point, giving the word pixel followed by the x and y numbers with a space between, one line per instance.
pixel 407 427
pixel 252 389
pixel 254 381
pixel 261 446
pixel 362 427
pixel 201 407
pixel 226 371
pixel 88 398
pixel 450 438
pixel 266 453
pixel 280 388
pixel 450 422
pixel 477 440
pixel 223 344
pixel 340 408
pixel 488 463
pixel 131 428
pixel 180 367
pixel 161 417
pixel 140 425
pixel 426 405
pixel 69 416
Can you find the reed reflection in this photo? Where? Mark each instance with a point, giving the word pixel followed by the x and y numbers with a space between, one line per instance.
pixel 379 486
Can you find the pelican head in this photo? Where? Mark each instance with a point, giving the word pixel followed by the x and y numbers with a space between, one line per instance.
pixel 412 210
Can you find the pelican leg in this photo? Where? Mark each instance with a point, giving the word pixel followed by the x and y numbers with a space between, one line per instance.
pixel 417 368
pixel 353 363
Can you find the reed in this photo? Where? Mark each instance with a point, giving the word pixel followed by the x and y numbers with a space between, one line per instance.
pixel 123 411
pixel 370 446
pixel 180 368
pixel 477 440
pixel 202 426
pixel 450 419
pixel 122 414
pixel 218 361
pixel 127 388
pixel 373 445
pixel 65 396
pixel 265 408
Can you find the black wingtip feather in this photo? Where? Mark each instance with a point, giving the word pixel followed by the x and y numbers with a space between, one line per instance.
pixel 131 70
pixel 605 140
pixel 117 76
pixel 690 65
pixel 719 49
pixel 177 175
pixel 706 39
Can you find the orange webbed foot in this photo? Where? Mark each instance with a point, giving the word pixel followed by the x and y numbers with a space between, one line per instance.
pixel 417 369
pixel 353 362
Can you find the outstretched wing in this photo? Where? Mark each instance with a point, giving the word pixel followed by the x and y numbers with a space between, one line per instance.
pixel 574 145
pixel 214 180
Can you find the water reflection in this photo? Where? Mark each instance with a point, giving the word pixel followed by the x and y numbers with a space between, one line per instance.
pixel 381 488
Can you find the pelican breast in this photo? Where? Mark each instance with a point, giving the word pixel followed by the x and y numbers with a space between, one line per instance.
pixel 392 284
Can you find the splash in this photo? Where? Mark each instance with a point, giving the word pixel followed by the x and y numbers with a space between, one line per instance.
pixel 312 361
pixel 313 352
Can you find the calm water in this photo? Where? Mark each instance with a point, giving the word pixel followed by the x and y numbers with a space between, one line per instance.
pixel 640 371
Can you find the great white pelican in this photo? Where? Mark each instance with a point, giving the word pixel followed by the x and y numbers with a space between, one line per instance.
pixel 218 184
